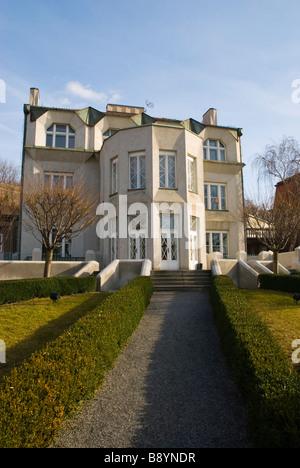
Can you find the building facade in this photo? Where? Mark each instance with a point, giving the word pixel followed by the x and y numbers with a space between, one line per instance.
pixel 168 190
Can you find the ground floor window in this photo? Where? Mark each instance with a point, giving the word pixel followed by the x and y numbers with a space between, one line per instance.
pixel 217 242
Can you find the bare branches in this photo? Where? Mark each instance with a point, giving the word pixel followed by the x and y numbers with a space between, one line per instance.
pixel 280 161
pixel 276 221
pixel 58 211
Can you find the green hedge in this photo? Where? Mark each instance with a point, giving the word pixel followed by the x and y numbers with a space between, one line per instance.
pixel 288 283
pixel 37 396
pixel 263 374
pixel 22 290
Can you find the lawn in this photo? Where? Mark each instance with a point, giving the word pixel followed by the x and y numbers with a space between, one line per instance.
pixel 26 326
pixel 281 314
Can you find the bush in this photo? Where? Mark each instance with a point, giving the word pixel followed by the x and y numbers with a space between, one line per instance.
pixel 22 290
pixel 267 381
pixel 36 397
pixel 288 283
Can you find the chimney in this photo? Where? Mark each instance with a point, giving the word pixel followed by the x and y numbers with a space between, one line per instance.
pixel 210 117
pixel 34 97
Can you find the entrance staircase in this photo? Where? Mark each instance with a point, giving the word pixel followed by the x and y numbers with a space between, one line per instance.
pixel 182 280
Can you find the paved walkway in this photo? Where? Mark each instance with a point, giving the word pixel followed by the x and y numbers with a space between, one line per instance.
pixel 170 388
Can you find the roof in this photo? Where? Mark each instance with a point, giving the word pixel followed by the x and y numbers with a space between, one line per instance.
pixel 91 116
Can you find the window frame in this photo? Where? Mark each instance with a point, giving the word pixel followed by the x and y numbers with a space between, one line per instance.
pixel 139 167
pixel 67 134
pixel 114 175
pixel 192 175
pixel 53 174
pixel 167 155
pixel 219 148
pixel 209 245
pixel 208 196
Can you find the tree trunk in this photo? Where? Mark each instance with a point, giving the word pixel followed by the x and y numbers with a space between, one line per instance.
pixel 275 263
pixel 48 262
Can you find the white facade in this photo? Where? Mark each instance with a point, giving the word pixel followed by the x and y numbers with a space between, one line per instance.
pixel 186 176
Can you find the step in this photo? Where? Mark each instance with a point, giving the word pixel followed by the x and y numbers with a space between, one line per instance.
pixel 181 280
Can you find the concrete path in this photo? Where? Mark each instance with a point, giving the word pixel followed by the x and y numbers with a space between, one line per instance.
pixel 170 388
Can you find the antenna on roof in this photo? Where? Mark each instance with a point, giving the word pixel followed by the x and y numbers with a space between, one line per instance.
pixel 149 104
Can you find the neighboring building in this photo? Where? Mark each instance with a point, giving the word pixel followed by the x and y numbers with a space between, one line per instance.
pixel 131 157
pixel 290 187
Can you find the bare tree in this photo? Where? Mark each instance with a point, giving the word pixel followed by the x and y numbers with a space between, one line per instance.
pixel 275 221
pixel 58 211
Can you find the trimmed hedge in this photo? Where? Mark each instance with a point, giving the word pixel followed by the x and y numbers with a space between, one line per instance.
pixel 263 374
pixel 288 283
pixel 22 290
pixel 37 396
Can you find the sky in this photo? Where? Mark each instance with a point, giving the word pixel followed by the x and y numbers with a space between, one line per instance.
pixel 240 57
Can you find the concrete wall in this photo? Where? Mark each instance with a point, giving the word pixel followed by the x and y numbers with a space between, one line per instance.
pixel 25 270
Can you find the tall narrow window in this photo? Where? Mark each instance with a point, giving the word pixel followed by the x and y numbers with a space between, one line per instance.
pixel 167 171
pixel 60 136
pixel 214 150
pixel 114 175
pixel 137 171
pixel 192 174
pixel 215 197
pixel 217 242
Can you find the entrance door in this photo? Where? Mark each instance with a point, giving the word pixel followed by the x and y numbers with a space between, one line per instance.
pixel 169 259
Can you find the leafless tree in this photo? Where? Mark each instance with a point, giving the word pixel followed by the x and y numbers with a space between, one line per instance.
pixel 276 220
pixel 58 211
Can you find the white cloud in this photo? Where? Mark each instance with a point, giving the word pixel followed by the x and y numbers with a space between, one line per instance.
pixel 85 92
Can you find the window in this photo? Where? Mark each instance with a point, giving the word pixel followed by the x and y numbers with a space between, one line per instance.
pixel 64 180
pixel 60 136
pixel 114 175
pixel 217 242
pixel 109 133
pixel 192 174
pixel 167 171
pixel 137 174
pixel 215 197
pixel 214 150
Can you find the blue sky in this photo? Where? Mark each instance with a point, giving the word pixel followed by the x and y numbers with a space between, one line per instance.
pixel 240 57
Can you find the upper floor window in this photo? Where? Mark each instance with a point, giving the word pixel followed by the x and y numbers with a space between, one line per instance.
pixel 60 136
pixel 167 171
pixel 192 174
pixel 214 150
pixel 215 197
pixel 137 171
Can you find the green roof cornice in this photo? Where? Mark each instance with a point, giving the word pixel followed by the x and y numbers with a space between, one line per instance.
pixel 142 119
pixel 193 125
pixel 90 116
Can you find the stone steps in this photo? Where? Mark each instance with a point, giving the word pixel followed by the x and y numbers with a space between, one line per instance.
pixel 182 280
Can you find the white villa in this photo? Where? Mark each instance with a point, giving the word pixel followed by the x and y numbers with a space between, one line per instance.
pixel 183 179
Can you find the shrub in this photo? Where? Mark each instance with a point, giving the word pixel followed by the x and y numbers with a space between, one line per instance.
pixel 37 396
pixel 22 290
pixel 267 381
pixel 288 283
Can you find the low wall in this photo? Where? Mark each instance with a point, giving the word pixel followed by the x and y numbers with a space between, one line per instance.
pixel 119 272
pixel 242 275
pixel 29 269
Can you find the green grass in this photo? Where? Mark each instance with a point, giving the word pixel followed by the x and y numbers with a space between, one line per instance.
pixel 27 326
pixel 278 310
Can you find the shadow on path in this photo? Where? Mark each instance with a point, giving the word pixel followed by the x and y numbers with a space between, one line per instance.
pixel 191 401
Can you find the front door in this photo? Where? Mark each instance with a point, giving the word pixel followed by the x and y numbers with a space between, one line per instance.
pixel 169 251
